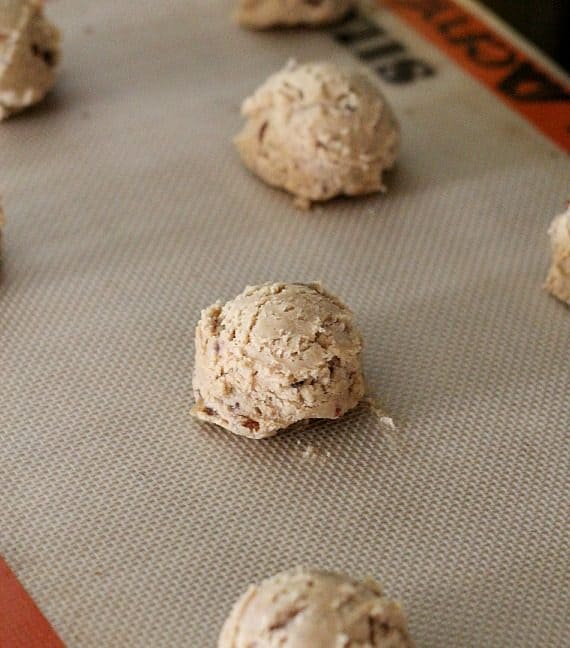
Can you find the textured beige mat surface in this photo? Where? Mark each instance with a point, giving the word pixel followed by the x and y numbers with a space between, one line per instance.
pixel 129 211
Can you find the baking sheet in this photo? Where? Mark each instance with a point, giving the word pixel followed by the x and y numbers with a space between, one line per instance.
pixel 129 211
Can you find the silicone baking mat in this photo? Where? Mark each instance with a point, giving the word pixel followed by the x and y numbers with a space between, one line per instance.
pixel 128 211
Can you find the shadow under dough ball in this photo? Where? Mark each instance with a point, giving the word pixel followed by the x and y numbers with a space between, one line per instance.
pixel 305 608
pixel 276 354
pixel 264 14
pixel 318 131
pixel 29 55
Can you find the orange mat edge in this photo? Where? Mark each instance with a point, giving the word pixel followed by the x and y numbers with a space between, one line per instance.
pixel 505 69
pixel 22 625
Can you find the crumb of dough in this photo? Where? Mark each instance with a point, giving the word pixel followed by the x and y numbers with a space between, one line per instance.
pixel 312 453
pixel 388 422
pixel 29 55
pixel 558 279
pixel 305 607
pixel 265 14
pixel 276 355
pixel 319 131
pixel 379 412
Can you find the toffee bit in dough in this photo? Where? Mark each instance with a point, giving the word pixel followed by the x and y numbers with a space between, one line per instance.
pixel 305 608
pixel 275 355
pixel 264 14
pixel 29 55
pixel 319 131
pixel 558 280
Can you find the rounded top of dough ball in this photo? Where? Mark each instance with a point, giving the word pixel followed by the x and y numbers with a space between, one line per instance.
pixel 274 355
pixel 309 609
pixel 29 54
pixel 263 14
pixel 318 130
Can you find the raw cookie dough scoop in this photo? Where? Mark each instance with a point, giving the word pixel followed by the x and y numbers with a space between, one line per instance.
pixel 314 609
pixel 29 55
pixel 264 14
pixel 274 355
pixel 558 280
pixel 2 221
pixel 319 131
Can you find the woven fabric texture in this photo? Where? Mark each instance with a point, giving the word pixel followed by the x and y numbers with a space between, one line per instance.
pixel 128 211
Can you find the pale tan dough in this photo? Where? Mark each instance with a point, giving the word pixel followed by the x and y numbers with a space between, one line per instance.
pixel 558 280
pixel 2 223
pixel 306 608
pixel 29 55
pixel 319 131
pixel 276 354
pixel 264 14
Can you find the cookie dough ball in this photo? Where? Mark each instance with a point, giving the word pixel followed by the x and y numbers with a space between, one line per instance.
pixel 274 355
pixel 2 221
pixel 309 609
pixel 263 14
pixel 319 131
pixel 558 280
pixel 29 54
